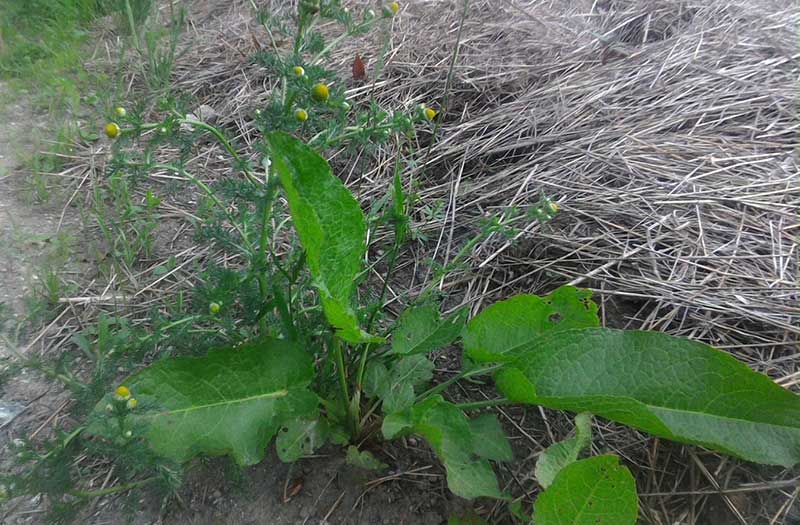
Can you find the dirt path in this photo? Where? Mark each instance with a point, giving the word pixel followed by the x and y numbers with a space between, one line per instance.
pixel 26 231
pixel 25 228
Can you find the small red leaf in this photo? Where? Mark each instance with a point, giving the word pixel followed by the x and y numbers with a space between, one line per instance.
pixel 359 71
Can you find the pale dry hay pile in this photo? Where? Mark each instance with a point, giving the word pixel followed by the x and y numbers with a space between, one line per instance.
pixel 665 130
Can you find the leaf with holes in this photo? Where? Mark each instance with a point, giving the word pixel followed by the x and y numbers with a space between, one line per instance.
pixel 505 328
pixel 671 387
pixel 420 330
pixel 232 401
pixel 363 459
pixel 330 225
pixel 594 491
pixel 559 455
pixel 299 438
pixel 449 432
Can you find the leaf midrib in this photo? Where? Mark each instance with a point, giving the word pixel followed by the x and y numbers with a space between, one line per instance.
pixel 438 327
pixel 278 393
pixel 651 407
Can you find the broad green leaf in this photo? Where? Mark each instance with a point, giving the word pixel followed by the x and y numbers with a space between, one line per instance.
pixel 396 387
pixel 405 375
pixel 503 329
pixel 330 225
pixel 420 330
pixel 232 401
pixel 363 459
pixel 559 455
pixel 671 387
pixel 414 370
pixel 299 438
pixel 445 427
pixel 376 377
pixel 398 398
pixel 594 491
pixel 489 439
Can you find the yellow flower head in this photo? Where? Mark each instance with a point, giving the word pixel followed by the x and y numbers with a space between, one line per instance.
pixel 122 393
pixel 132 403
pixel 430 113
pixel 112 130
pixel 319 92
pixel 120 112
pixel 299 71
pixel 394 7
pixel 553 207
pixel 301 115
pixel 214 308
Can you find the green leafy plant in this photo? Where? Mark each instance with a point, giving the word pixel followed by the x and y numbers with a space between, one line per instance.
pixel 305 355
pixel 546 351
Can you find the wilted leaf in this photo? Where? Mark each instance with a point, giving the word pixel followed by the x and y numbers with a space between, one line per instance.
pixel 363 459
pixel 559 455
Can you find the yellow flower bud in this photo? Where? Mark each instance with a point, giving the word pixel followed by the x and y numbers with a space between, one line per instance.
pixel 132 403
pixel 214 308
pixel 112 130
pixel 120 112
pixel 299 71
pixel 319 92
pixel 301 115
pixel 430 113
pixel 122 393
pixel 394 7
pixel 553 207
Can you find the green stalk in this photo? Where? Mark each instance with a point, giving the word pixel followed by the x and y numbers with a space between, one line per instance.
pixel 222 140
pixel 112 490
pixel 132 24
pixel 448 83
pixel 248 248
pixel 338 40
pixel 399 238
pixel 337 353
pixel 263 285
pixel 484 404
pixel 464 374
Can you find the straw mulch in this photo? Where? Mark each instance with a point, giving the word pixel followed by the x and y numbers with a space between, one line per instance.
pixel 666 132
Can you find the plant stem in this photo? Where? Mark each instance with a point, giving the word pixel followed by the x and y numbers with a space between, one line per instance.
pixel 222 140
pixel 263 285
pixel 248 248
pixel 464 374
pixel 484 404
pixel 337 353
pixel 112 490
pixel 132 24
pixel 448 83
